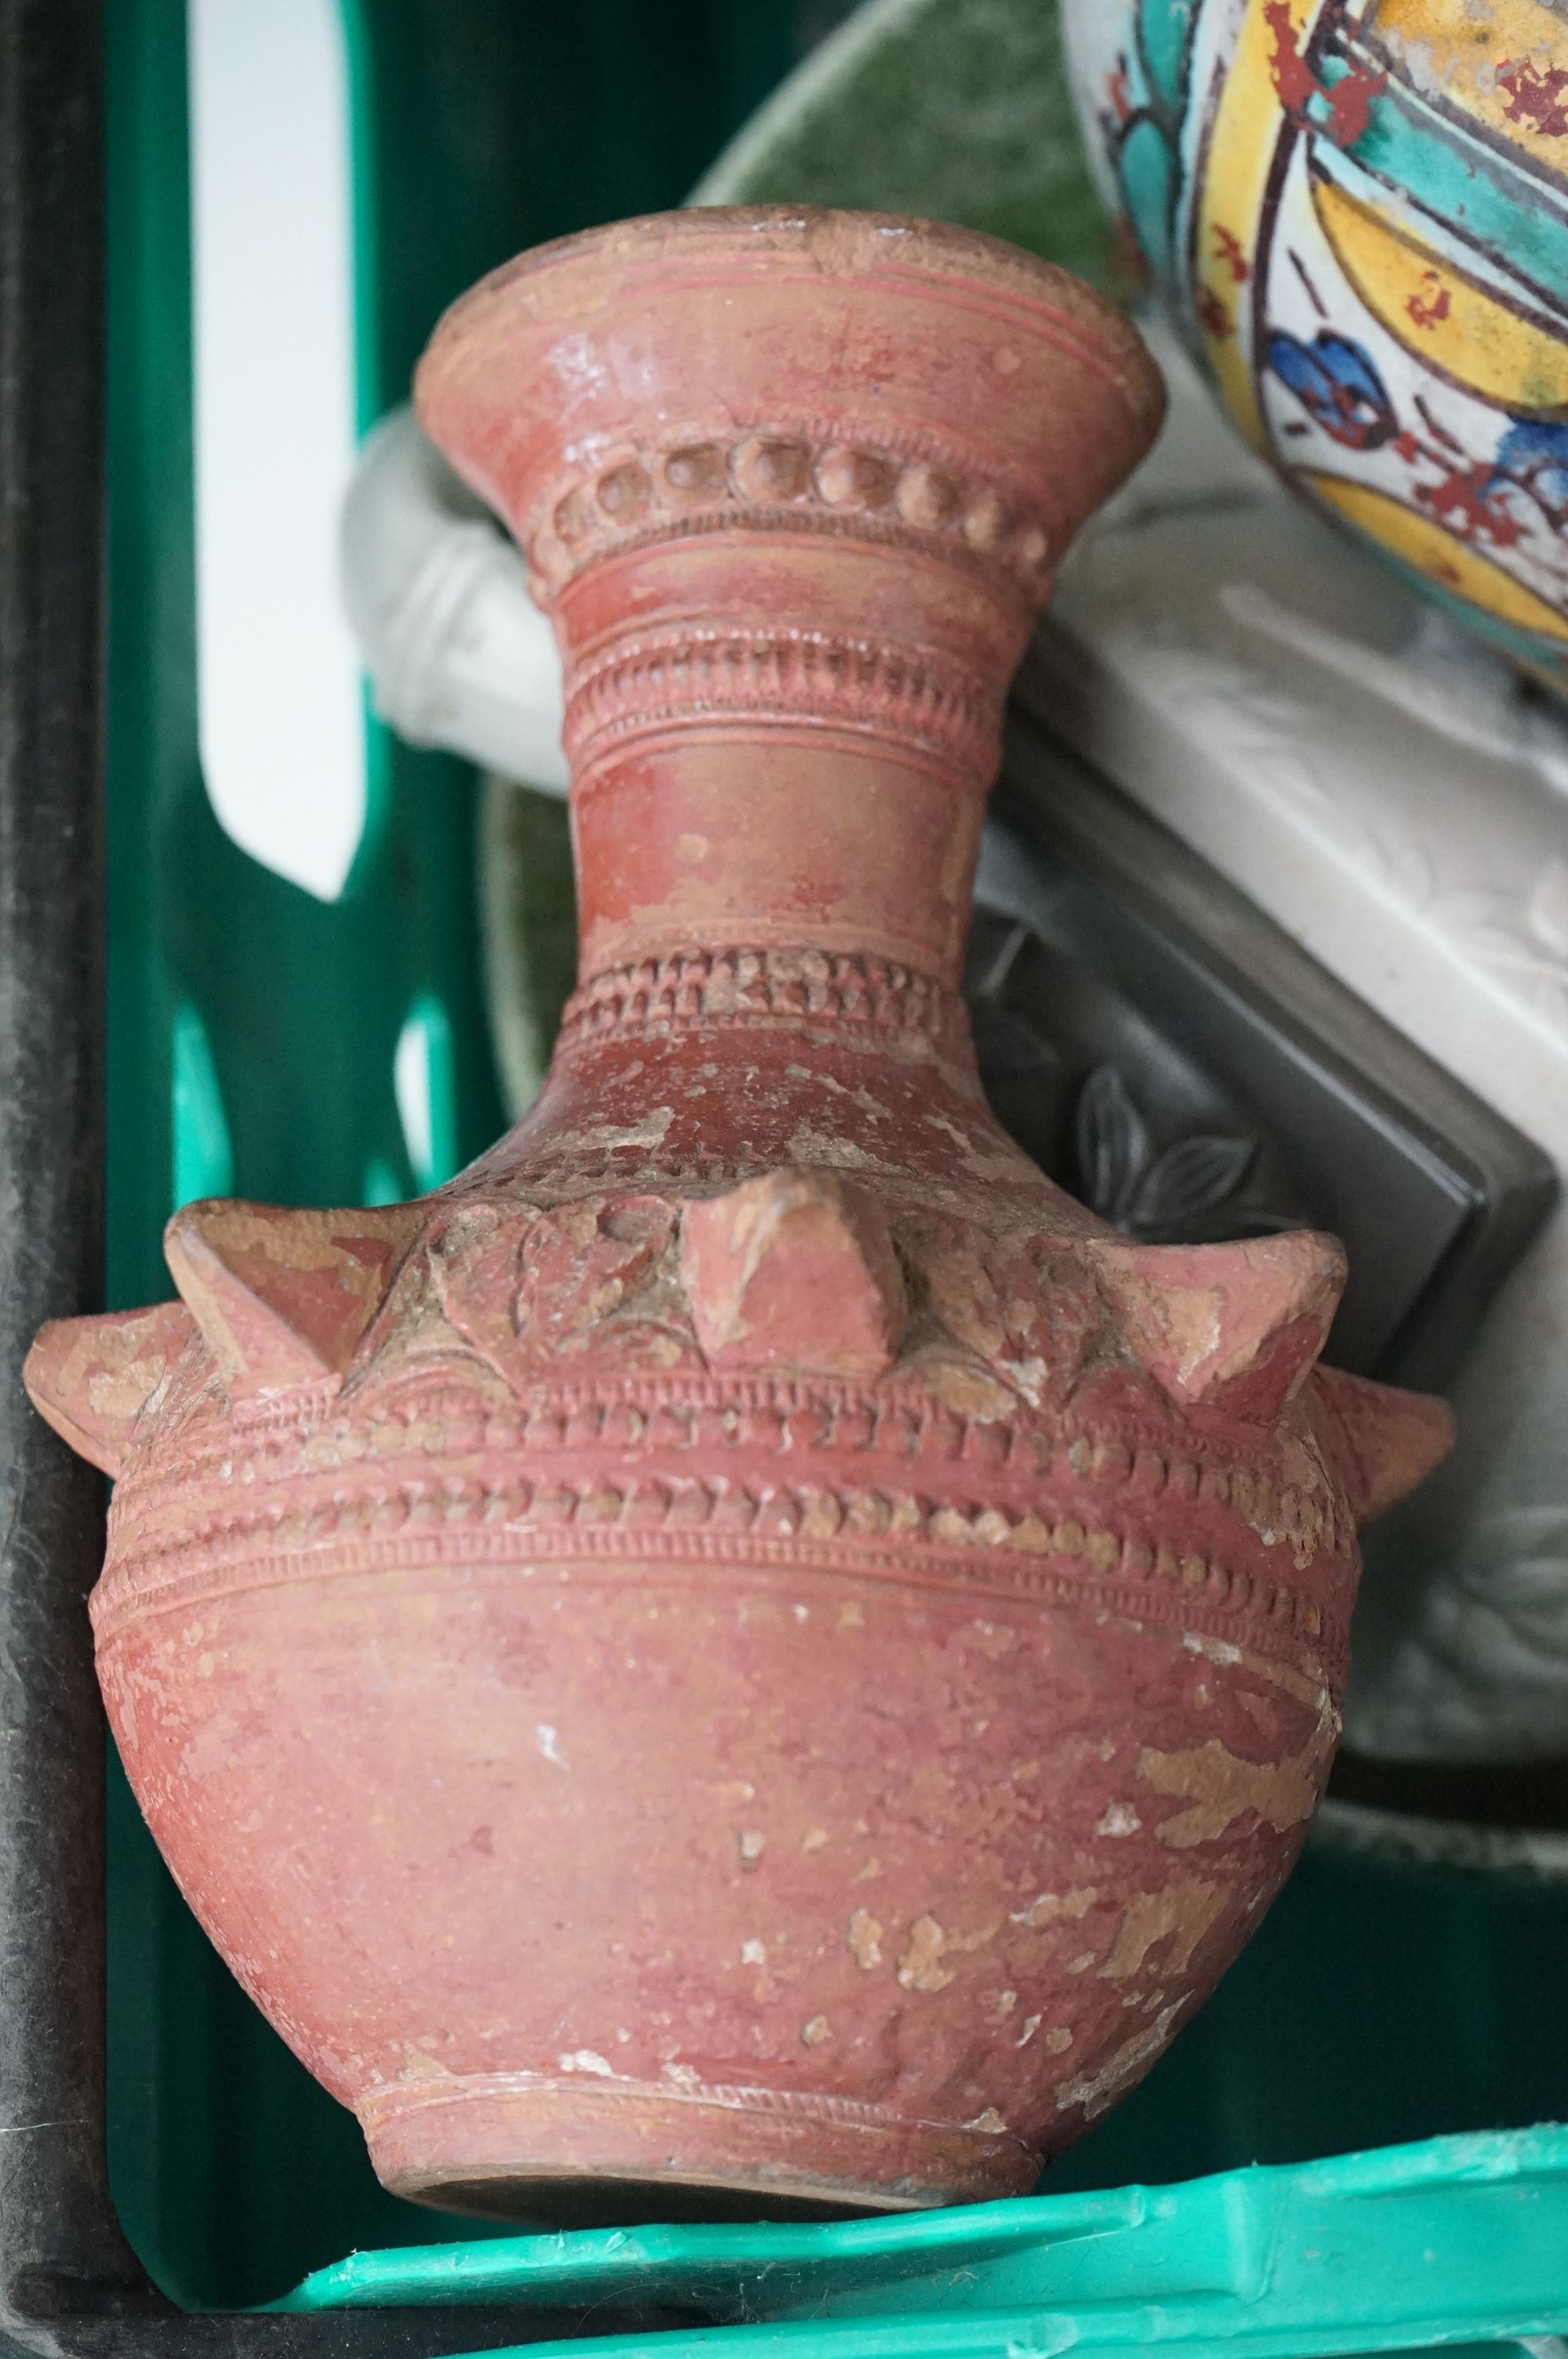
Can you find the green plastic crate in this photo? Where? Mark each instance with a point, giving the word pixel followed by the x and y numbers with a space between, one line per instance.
pixel 1413 2247
pixel 1380 2002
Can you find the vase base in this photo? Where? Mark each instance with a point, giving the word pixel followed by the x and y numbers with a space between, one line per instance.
pixel 510 2146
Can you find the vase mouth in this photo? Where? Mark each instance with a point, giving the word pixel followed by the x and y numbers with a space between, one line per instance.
pixel 782 358
pixel 835 241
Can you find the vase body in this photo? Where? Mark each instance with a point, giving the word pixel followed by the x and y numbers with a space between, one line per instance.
pixel 1357 216
pixel 748 1653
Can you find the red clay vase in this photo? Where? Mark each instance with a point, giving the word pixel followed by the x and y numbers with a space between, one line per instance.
pixel 748 1653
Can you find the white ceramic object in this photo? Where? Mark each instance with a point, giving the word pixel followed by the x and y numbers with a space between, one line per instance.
pixel 1395 799
pixel 458 655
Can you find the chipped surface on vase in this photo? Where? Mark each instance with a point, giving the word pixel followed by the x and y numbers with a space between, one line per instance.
pixel 748 1651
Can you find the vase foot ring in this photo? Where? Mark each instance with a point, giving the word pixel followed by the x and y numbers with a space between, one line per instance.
pixel 510 2147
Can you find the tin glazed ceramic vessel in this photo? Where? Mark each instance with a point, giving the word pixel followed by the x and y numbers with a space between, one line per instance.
pixel 1356 211
pixel 748 1652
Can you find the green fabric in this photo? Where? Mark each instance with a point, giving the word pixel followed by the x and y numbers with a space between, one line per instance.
pixel 954 109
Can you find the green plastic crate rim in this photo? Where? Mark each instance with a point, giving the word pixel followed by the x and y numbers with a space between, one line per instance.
pixel 1452 2241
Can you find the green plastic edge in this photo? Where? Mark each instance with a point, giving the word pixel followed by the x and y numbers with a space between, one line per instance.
pixel 1449 2240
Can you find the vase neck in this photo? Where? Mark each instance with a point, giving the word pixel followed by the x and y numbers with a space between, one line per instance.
pixel 783 743
pixel 793 483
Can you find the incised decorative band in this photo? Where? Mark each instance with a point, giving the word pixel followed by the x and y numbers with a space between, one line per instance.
pixel 788 476
pixel 870 996
pixel 896 696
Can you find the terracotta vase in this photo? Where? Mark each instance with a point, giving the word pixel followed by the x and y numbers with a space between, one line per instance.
pixel 748 1652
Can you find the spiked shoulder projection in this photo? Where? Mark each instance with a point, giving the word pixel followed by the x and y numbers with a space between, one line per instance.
pixel 793 1274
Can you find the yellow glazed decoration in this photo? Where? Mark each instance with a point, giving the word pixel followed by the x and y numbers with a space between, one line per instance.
pixel 1359 216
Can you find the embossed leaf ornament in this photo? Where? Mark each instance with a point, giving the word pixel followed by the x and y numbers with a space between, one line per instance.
pixel 1144 1191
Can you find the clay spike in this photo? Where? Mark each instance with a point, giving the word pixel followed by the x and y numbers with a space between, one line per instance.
pixel 91 1378
pixel 283 1296
pixel 1384 1440
pixel 1231 1326
pixel 793 1269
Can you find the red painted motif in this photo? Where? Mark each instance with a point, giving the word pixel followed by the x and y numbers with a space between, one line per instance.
pixel 1228 250
pixel 1468 501
pixel 1341 110
pixel 748 1652
pixel 1350 104
pixel 1535 97
pixel 1427 312
pixel 1213 316
pixel 1295 85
